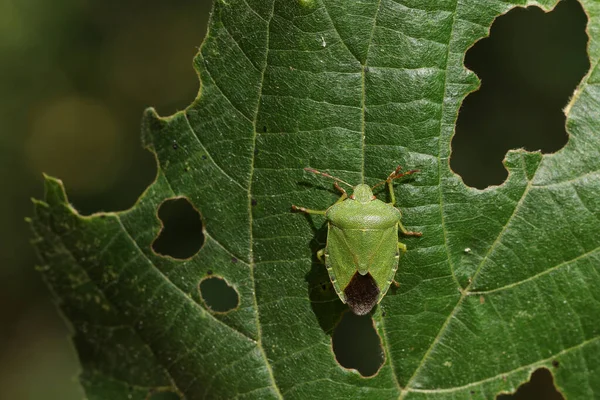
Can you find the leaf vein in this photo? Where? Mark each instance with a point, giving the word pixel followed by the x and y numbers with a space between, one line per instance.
pixel 531 366
pixel 250 214
pixel 533 277
pixel 209 155
pixel 177 288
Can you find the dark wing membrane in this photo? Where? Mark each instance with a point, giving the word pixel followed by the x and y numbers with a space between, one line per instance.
pixel 361 293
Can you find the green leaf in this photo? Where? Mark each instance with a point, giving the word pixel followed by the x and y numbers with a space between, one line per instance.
pixel 504 280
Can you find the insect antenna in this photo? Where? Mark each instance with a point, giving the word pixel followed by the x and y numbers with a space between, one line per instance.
pixel 326 175
pixel 396 174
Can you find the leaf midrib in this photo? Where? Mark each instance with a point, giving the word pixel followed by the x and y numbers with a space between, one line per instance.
pixel 252 263
pixel 404 390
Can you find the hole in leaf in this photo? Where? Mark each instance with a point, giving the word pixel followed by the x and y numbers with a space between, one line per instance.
pixel 539 387
pixel 218 295
pixel 529 67
pixel 181 236
pixel 357 345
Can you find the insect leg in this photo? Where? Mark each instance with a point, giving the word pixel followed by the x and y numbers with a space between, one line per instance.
pixel 308 210
pixel 396 174
pixel 407 232
pixel 341 189
pixel 402 247
pixel 391 188
pixel 321 255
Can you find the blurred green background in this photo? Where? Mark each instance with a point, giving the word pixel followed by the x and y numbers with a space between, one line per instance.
pixel 75 76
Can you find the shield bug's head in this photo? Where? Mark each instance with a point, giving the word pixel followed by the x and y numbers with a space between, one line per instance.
pixel 362 193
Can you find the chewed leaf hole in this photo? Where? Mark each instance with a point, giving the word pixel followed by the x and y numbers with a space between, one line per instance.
pixel 164 396
pixel 218 295
pixel 357 345
pixel 181 236
pixel 539 387
pixel 529 67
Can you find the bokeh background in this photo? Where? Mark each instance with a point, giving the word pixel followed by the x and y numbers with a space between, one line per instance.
pixel 75 76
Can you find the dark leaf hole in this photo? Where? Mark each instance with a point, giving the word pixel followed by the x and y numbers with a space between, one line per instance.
pixel 218 295
pixel 540 387
pixel 357 345
pixel 164 396
pixel 181 236
pixel 529 67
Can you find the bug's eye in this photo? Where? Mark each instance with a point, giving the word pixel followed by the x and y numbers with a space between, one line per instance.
pixel 353 197
pixel 373 197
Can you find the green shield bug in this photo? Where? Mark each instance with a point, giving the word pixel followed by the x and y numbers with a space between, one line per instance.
pixel 363 249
